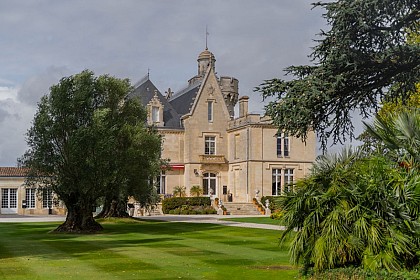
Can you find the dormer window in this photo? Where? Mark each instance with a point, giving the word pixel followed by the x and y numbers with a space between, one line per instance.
pixel 155 114
pixel 155 111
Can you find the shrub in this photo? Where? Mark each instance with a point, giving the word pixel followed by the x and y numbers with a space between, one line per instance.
pixel 274 202
pixel 276 215
pixel 209 210
pixel 357 273
pixel 354 210
pixel 177 202
pixel 179 191
pixel 196 191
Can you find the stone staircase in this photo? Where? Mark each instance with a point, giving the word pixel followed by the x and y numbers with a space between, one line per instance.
pixel 156 211
pixel 241 208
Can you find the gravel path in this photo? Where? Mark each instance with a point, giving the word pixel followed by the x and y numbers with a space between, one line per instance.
pixel 212 219
pixel 209 219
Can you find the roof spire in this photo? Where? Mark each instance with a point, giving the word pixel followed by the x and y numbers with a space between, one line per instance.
pixel 207 34
pixel 148 73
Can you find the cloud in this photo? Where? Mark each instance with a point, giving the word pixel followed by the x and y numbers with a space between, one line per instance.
pixel 17 109
pixel 14 121
pixel 42 41
pixel 37 86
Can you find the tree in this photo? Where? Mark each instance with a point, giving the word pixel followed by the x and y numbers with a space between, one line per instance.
pixel 400 135
pixel 179 191
pixel 354 210
pixel 137 156
pixel 364 58
pixel 196 191
pixel 87 141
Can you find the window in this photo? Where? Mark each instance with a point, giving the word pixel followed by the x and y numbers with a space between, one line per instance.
pixel 209 145
pixel 282 145
pixel 288 178
pixel 210 111
pixel 8 198
pixel 47 198
pixel 286 144
pixel 155 114
pixel 209 184
pixel 161 183
pixel 278 187
pixel 279 153
pixel 276 182
pixel 30 197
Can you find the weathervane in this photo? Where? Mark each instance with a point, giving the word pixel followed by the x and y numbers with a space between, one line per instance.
pixel 207 34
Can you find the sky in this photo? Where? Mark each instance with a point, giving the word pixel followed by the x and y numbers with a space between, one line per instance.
pixel 42 41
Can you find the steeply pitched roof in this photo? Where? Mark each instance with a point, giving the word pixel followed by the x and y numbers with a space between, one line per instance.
pixel 13 171
pixel 183 100
pixel 145 90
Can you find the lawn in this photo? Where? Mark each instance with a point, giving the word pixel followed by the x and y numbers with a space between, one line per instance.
pixel 255 220
pixel 129 249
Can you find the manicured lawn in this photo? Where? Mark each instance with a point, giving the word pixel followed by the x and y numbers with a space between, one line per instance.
pixel 129 249
pixel 255 220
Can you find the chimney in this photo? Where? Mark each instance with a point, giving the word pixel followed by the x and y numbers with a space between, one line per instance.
pixel 243 106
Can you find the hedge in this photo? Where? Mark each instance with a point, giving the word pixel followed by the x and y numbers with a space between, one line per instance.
pixel 356 273
pixel 173 203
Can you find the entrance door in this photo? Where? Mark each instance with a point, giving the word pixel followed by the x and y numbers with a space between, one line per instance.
pixel 209 184
pixel 9 201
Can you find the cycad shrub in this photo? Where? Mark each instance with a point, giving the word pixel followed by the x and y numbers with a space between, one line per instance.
pixel 354 210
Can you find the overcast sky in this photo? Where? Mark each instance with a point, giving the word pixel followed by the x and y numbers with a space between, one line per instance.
pixel 42 41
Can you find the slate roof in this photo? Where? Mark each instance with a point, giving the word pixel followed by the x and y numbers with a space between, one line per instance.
pixel 183 100
pixel 13 171
pixel 145 90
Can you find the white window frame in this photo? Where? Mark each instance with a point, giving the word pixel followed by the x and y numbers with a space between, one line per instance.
pixel 209 179
pixel 47 198
pixel 288 178
pixel 161 188
pixel 286 145
pixel 9 198
pixel 282 145
pixel 209 145
pixel 282 179
pixel 276 181
pixel 30 197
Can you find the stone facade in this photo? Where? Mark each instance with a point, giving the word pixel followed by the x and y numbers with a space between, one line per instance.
pixel 229 157
pixel 18 199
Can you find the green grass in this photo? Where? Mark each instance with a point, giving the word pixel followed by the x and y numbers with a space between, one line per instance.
pixel 255 220
pixel 129 249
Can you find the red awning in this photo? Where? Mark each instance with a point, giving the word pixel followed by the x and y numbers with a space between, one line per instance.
pixel 174 166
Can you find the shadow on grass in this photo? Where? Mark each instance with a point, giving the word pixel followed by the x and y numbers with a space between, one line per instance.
pixel 34 239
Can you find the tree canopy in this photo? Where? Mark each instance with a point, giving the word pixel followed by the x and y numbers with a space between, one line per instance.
pixel 365 57
pixel 88 141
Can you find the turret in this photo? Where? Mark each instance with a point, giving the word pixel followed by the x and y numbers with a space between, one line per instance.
pixel 205 60
pixel 229 87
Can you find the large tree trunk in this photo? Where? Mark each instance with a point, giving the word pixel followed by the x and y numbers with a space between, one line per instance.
pixel 114 207
pixel 79 220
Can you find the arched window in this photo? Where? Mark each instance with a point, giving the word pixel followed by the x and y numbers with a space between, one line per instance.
pixel 209 184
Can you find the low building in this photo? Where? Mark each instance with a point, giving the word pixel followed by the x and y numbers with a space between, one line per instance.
pixel 230 157
pixel 19 199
